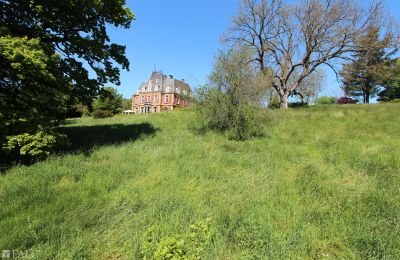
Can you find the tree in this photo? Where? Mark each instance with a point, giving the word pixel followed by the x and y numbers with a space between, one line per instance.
pixel 46 51
pixel 391 82
pixel 126 104
pixel 108 100
pixel 231 101
pixel 294 40
pixel 362 77
pixel 311 86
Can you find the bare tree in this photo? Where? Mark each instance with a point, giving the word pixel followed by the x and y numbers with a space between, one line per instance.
pixel 294 40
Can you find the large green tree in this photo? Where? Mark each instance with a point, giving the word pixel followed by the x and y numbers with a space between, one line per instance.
pixel 363 76
pixel 48 50
pixel 391 82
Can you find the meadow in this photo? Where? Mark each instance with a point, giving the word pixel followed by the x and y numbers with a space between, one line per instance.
pixel 322 183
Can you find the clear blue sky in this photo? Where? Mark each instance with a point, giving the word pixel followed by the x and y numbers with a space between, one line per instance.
pixel 181 38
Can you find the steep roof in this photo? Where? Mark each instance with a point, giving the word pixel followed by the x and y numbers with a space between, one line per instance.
pixel 158 82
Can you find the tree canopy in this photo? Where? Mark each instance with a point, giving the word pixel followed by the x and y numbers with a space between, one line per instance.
pixel 293 40
pixel 47 51
pixel 363 76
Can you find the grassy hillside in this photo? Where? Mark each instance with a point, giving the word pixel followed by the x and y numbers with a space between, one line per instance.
pixel 323 183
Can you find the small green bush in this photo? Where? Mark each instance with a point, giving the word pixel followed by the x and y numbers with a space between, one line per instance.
pixel 190 245
pixel 325 100
pixel 274 104
pixel 35 146
pixel 99 113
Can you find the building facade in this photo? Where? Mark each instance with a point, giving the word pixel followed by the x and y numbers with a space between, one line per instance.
pixel 161 93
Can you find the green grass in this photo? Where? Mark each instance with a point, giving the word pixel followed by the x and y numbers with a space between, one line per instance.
pixel 323 183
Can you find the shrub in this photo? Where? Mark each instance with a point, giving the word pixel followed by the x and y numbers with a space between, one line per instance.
pixel 325 100
pixel 231 103
pixel 99 113
pixel 35 146
pixel 297 104
pixel 346 100
pixel 189 245
pixel 275 103
pixel 108 100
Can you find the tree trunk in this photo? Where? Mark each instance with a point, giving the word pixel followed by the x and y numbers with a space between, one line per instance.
pixel 284 101
pixel 367 98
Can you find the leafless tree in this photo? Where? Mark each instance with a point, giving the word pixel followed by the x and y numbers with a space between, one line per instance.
pixel 294 40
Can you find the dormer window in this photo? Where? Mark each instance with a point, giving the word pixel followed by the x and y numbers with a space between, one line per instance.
pixel 150 81
pixel 157 80
pixel 145 88
pixel 178 90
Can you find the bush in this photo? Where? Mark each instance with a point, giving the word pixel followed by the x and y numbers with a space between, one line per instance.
pixel 189 245
pixel 99 113
pixel 231 103
pixel 275 103
pixel 239 122
pixel 325 100
pixel 297 105
pixel 346 100
pixel 34 146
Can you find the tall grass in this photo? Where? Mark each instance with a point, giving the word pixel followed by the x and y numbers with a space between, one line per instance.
pixel 323 182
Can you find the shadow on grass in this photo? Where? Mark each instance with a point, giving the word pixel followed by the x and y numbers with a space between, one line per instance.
pixel 85 138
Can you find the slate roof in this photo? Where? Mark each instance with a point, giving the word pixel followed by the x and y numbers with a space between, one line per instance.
pixel 158 82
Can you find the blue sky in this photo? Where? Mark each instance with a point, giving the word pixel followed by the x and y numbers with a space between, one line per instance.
pixel 181 38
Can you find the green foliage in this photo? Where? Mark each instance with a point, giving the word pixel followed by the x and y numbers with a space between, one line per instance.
pixel 231 102
pixel 190 245
pixel 108 100
pixel 126 104
pixel 298 104
pixel 99 113
pixel 36 146
pixel 362 77
pixel 43 55
pixel 275 103
pixel 391 82
pixel 325 100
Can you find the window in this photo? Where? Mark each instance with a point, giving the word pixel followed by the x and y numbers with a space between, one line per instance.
pixel 155 110
pixel 148 98
pixel 145 88
pixel 142 109
pixel 156 99
pixel 177 100
pixel 157 80
pixel 142 99
pixel 166 99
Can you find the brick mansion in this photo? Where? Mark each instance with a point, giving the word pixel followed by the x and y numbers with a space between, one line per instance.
pixel 161 93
